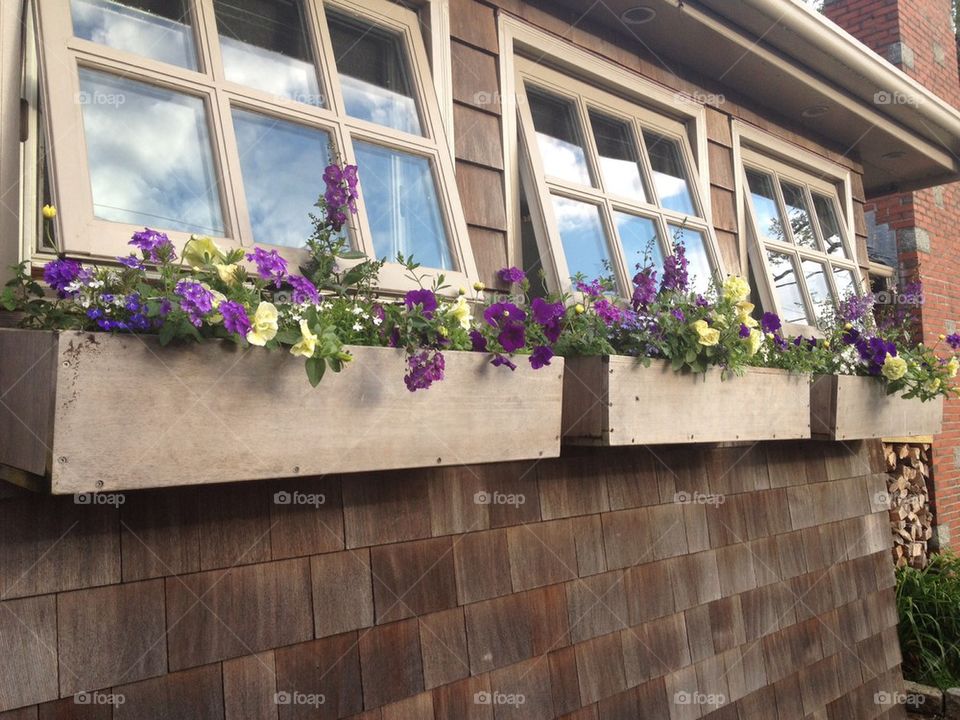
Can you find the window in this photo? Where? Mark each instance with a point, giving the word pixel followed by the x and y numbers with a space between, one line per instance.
pixel 613 185
pixel 217 117
pixel 799 240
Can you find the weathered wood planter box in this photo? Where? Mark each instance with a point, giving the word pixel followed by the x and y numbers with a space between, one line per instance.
pixel 616 401
pixel 97 412
pixel 847 407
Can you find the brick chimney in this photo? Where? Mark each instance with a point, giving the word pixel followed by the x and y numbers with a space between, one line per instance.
pixel 918 37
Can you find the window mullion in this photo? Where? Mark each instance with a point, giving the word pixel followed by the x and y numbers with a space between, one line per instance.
pixel 618 256
pixel 782 205
pixel 589 144
pixel 646 166
pixel 208 39
pixel 326 59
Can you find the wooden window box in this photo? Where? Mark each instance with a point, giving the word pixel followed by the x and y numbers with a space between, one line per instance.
pixel 847 407
pixel 84 412
pixel 614 400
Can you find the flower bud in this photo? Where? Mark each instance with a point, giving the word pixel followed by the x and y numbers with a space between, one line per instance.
pixel 579 309
pixel 49 212
pixel 479 286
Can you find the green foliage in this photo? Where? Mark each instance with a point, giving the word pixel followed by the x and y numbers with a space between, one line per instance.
pixel 928 605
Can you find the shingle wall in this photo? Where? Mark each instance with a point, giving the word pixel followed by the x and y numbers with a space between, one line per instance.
pixel 591 586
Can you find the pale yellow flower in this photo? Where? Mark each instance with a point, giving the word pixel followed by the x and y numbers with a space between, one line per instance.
pixel 578 309
pixel 753 341
pixel 307 344
pixel 479 286
pixel 227 273
pixel 264 324
pixel 745 314
pixel 736 289
pixel 708 335
pixel 952 366
pixel 201 250
pixel 932 385
pixel 49 212
pixel 460 311
pixel 894 367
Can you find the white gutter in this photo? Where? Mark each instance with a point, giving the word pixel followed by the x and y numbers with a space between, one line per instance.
pixel 818 31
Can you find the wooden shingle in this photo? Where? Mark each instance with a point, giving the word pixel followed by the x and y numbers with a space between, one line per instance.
pixel 541 554
pixel 443 642
pixel 196 694
pixel 564 682
pixel 245 610
pixel 572 486
pixel 28 664
pixel 327 668
pixel 480 560
pixel 600 668
pixel 386 507
pixel 457 701
pixel 111 635
pixel 597 605
pixel 390 663
pixel 250 687
pixel 160 533
pixel 342 592
pixel 306 517
pixel 413 578
pixel 531 679
pixel 234 525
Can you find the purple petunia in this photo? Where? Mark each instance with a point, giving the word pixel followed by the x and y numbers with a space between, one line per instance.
pixel 235 318
pixel 426 299
pixel 500 314
pixel 548 315
pixel 953 340
pixel 511 275
pixel 478 341
pixel 540 357
pixel 195 300
pixel 678 314
pixel 744 331
pixel 675 270
pixel 155 246
pixel 60 274
pixel 423 369
pixel 592 289
pixel 304 291
pixel 341 193
pixel 270 265
pixel 770 322
pixel 644 288
pixel 502 360
pixel 512 337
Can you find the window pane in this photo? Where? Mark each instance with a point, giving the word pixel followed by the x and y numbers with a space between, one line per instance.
pixel 784 276
pixel 640 240
pixel 698 259
pixel 158 29
pixel 403 209
pixel 559 138
pixel 619 161
pixel 374 75
pixel 584 240
pixel 279 161
pixel 829 225
pixel 669 175
pixel 846 283
pixel 265 46
pixel 769 220
pixel 799 215
pixel 818 287
pixel 149 155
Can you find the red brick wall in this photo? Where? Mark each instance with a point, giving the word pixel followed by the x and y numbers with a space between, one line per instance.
pixel 601 596
pixel 927 52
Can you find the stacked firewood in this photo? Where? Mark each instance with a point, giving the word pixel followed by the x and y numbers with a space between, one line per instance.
pixel 908 469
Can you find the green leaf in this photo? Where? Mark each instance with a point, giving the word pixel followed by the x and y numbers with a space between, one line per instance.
pixel 352 255
pixel 315 369
pixel 167 332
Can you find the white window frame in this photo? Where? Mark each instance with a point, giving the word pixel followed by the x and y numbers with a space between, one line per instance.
pixel 763 152
pixel 628 95
pixel 82 234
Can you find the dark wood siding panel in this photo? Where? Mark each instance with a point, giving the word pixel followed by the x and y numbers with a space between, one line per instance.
pixel 490 253
pixel 477 136
pixel 721 166
pixel 724 209
pixel 475 78
pixel 482 195
pixel 474 23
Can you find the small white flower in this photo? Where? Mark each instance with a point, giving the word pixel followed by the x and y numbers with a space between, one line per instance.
pixel 378 321
pixel 358 327
pixel 356 310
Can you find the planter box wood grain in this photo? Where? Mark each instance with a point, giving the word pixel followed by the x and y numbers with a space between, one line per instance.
pixel 98 412
pixel 616 401
pixel 848 407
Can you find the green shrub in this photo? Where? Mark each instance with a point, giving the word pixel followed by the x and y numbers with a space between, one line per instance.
pixel 928 604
